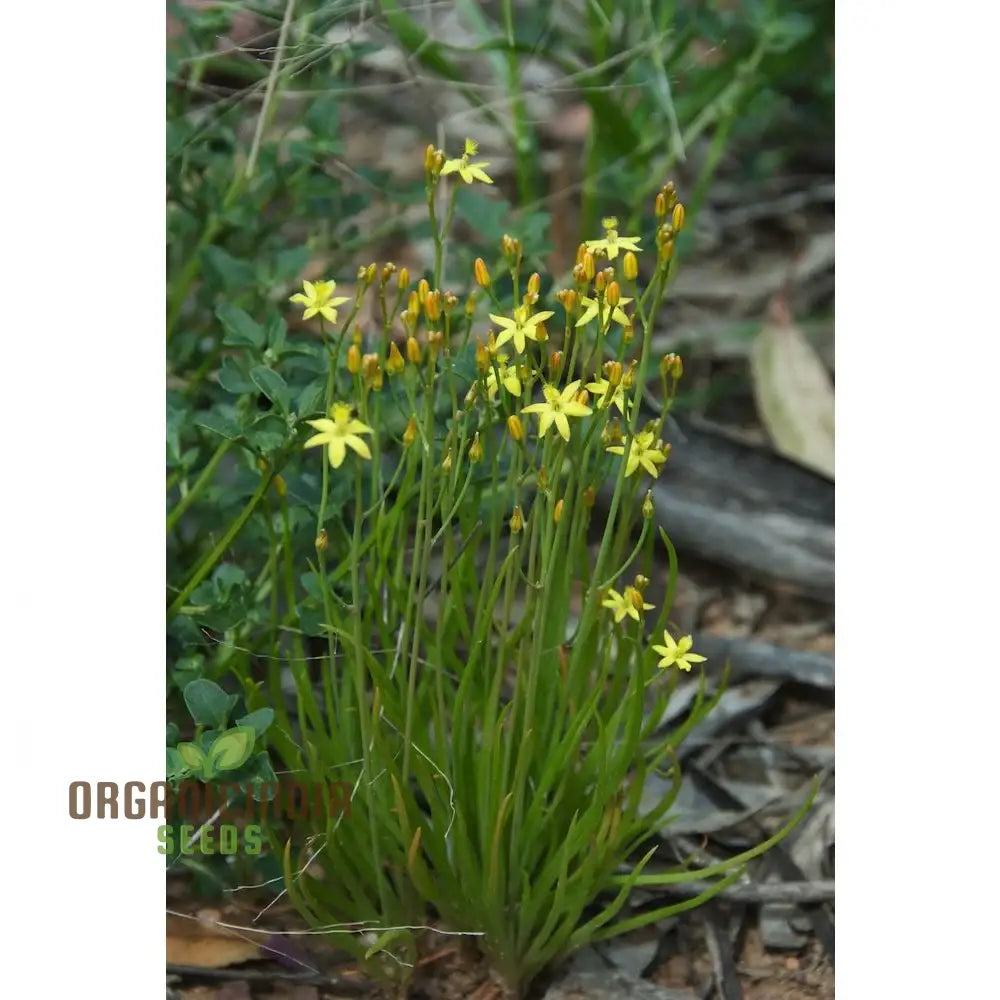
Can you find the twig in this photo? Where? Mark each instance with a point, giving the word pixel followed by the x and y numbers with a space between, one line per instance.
pixel 720 950
pixel 347 987
pixel 816 891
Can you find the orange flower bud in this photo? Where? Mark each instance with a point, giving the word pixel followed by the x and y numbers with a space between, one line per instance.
pixel 630 266
pixel 432 306
pixel 600 281
pixel 677 219
pixel 353 359
pixel 661 205
pixel 583 397
pixel 515 428
pixel 555 362
pixel 613 294
pixel 410 434
pixel 413 350
pixel 394 364
pixel 580 251
pixel 482 273
pixel 534 283
pixel 516 521
pixel 482 357
pixel 588 266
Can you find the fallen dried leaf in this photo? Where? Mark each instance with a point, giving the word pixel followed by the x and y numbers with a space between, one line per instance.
pixel 794 392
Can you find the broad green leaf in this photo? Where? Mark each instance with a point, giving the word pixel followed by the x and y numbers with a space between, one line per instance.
pixel 208 704
pixel 234 379
pixel 241 329
pixel 272 385
pixel 258 720
pixel 217 423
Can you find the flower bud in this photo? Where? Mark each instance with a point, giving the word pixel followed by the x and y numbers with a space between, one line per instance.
pixel 516 521
pixel 579 275
pixel 600 281
pixel 641 582
pixel 410 434
pixel 322 540
pixel 370 271
pixel 677 219
pixel 429 155
pixel 446 462
pixel 543 477
pixel 671 364
pixel 362 275
pixel 482 273
pixel 388 270
pixel 475 449
pixel 482 358
pixel 660 206
pixel 280 486
pixel 541 334
pixel 470 306
pixel 555 363
pixel 422 289
pixel 432 306
pixel 589 496
pixel 558 511
pixel 353 359
pixel 534 283
pixel 588 266
pixel 628 379
pixel 583 397
pixel 394 364
pixel 403 279
pixel 371 368
pixel 647 505
pixel 515 428
pixel 435 339
pixel 566 297
pixel 613 294
pixel 581 250
pixel 413 307
pixel 630 266
pixel 613 372
pixel 448 302
pixel 413 350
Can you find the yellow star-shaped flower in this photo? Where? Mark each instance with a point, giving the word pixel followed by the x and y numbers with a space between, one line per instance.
pixel 591 307
pixel 556 408
pixel 317 298
pixel 469 172
pixel 608 396
pixel 339 433
pixel 676 653
pixel 520 327
pixel 642 451
pixel 630 603
pixel 612 242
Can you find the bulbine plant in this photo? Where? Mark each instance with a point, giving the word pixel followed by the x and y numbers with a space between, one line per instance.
pixel 490 586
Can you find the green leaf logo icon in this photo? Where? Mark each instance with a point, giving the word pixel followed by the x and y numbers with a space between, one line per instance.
pixel 191 755
pixel 232 748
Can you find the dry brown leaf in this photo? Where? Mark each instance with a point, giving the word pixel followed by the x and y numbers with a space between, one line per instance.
pixel 204 944
pixel 794 392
